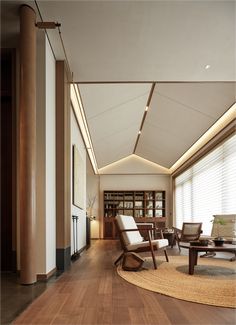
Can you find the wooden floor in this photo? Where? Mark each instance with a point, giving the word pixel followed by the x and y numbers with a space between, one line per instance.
pixel 92 293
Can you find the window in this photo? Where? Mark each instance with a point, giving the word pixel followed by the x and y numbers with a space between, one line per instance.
pixel 208 187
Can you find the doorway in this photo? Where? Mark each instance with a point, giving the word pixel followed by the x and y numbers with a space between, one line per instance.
pixel 8 160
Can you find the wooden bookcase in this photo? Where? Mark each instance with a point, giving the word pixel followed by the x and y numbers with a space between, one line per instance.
pixel 144 206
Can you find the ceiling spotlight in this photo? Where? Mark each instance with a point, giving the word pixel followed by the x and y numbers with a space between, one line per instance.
pixel 139 132
pixel 146 108
pixel 207 66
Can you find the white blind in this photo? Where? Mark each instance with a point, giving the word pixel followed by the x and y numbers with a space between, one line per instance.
pixel 208 187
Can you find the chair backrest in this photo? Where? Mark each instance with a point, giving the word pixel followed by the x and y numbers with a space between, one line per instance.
pixel 227 231
pixel 128 222
pixel 191 231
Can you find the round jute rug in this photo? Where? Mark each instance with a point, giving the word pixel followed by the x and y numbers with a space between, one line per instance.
pixel 213 282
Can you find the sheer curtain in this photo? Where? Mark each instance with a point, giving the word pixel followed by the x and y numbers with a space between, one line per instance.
pixel 208 187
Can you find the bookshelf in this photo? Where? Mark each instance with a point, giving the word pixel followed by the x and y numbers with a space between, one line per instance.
pixel 144 206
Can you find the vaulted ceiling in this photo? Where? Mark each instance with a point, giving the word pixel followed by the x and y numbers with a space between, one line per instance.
pixel 119 50
pixel 178 114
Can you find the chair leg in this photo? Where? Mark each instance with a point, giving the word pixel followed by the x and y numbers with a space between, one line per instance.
pixel 118 259
pixel 152 250
pixel 153 258
pixel 176 238
pixel 178 244
pixel 167 259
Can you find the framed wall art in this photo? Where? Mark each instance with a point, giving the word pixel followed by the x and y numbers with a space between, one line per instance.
pixel 77 178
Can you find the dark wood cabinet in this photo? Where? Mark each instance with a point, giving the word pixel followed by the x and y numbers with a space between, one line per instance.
pixel 144 206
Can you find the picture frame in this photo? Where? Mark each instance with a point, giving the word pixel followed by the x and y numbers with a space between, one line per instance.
pixel 77 178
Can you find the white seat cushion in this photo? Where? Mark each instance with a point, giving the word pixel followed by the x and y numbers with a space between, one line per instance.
pixel 128 222
pixel 159 243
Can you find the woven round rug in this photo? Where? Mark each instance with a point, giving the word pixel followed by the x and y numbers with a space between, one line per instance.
pixel 213 282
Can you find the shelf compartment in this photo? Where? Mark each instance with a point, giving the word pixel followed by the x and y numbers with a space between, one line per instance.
pixel 159 213
pixel 138 213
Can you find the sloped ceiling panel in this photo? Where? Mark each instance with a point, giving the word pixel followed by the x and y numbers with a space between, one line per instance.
pixel 114 113
pixel 114 148
pixel 133 164
pixel 209 98
pixel 179 114
pixel 99 98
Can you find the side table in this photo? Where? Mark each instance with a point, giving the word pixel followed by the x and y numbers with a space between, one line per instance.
pixel 170 236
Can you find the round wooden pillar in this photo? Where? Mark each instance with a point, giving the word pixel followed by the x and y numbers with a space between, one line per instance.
pixel 27 150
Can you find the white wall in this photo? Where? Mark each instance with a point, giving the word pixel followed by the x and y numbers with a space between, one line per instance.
pixel 76 139
pixel 93 182
pixel 135 182
pixel 50 160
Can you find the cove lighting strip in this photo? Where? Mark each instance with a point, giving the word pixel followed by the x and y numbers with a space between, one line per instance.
pixel 79 112
pixel 222 122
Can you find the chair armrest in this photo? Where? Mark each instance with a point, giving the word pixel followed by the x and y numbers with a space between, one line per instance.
pixel 147 228
pixel 123 230
pixel 159 230
pixel 177 232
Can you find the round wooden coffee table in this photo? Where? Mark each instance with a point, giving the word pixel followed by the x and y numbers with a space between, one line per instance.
pixel 193 252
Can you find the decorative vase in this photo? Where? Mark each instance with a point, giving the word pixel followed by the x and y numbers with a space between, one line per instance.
pixel 218 242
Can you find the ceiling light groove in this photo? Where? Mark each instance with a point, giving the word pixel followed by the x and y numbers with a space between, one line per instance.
pixel 118 105
pixel 81 119
pixel 222 122
pixel 144 115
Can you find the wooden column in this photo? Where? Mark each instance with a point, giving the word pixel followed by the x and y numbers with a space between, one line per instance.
pixel 27 195
pixel 63 171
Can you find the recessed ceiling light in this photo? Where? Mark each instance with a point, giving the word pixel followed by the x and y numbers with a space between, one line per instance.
pixel 146 108
pixel 207 66
pixel 139 132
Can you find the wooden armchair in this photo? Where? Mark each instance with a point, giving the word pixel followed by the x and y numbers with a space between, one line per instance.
pixel 227 231
pixel 190 231
pixel 132 241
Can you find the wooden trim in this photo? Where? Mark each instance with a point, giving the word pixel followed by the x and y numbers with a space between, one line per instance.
pixel 173 201
pixel 136 229
pixel 151 93
pixel 147 82
pixel 136 142
pixel 63 158
pixel 14 162
pixel 46 276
